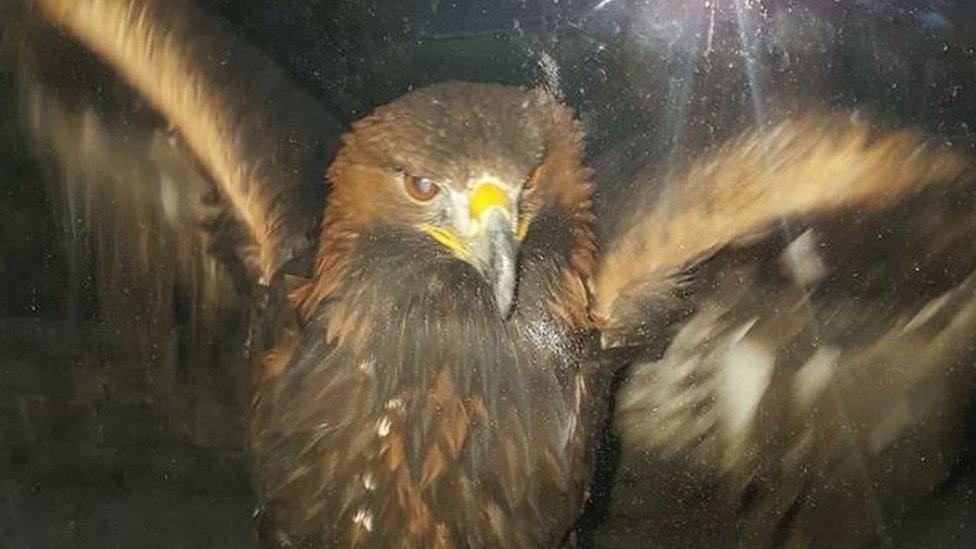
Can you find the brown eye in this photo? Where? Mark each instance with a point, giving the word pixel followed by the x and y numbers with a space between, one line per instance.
pixel 421 188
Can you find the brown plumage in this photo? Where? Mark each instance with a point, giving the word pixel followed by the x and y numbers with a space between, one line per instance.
pixel 801 306
pixel 409 412
pixel 240 117
pixel 434 381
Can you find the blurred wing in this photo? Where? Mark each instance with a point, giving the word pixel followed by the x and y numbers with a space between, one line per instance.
pixel 799 306
pixel 262 142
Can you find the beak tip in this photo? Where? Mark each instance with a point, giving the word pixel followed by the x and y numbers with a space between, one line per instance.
pixel 497 253
pixel 502 281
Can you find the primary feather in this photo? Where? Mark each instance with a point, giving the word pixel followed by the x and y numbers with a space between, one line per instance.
pixel 261 139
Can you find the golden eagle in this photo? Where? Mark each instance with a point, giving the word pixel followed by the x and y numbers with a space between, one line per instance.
pixel 439 306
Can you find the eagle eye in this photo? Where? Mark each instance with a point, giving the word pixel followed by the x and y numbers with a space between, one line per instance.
pixel 421 188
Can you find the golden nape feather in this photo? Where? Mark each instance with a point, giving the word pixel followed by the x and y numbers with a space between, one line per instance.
pixel 800 305
pixel 263 141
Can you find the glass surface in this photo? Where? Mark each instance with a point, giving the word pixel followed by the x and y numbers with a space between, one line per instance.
pixel 123 384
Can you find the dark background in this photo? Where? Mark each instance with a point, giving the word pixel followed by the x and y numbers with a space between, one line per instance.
pixel 121 390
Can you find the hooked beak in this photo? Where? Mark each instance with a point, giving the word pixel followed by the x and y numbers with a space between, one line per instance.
pixel 493 245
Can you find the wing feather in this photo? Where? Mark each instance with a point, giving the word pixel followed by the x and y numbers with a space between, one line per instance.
pixel 262 140
pixel 818 377
pixel 755 185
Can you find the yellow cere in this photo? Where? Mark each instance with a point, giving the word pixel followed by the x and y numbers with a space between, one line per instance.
pixel 487 195
pixel 448 239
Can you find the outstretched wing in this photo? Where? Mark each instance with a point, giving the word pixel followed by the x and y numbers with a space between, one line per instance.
pixel 262 141
pixel 799 309
pixel 183 164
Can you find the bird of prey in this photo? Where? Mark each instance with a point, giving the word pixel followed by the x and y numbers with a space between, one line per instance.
pixel 795 307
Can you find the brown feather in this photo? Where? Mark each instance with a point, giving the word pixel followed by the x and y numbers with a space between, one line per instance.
pixel 408 401
pixel 261 139
pixel 801 167
pixel 802 338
